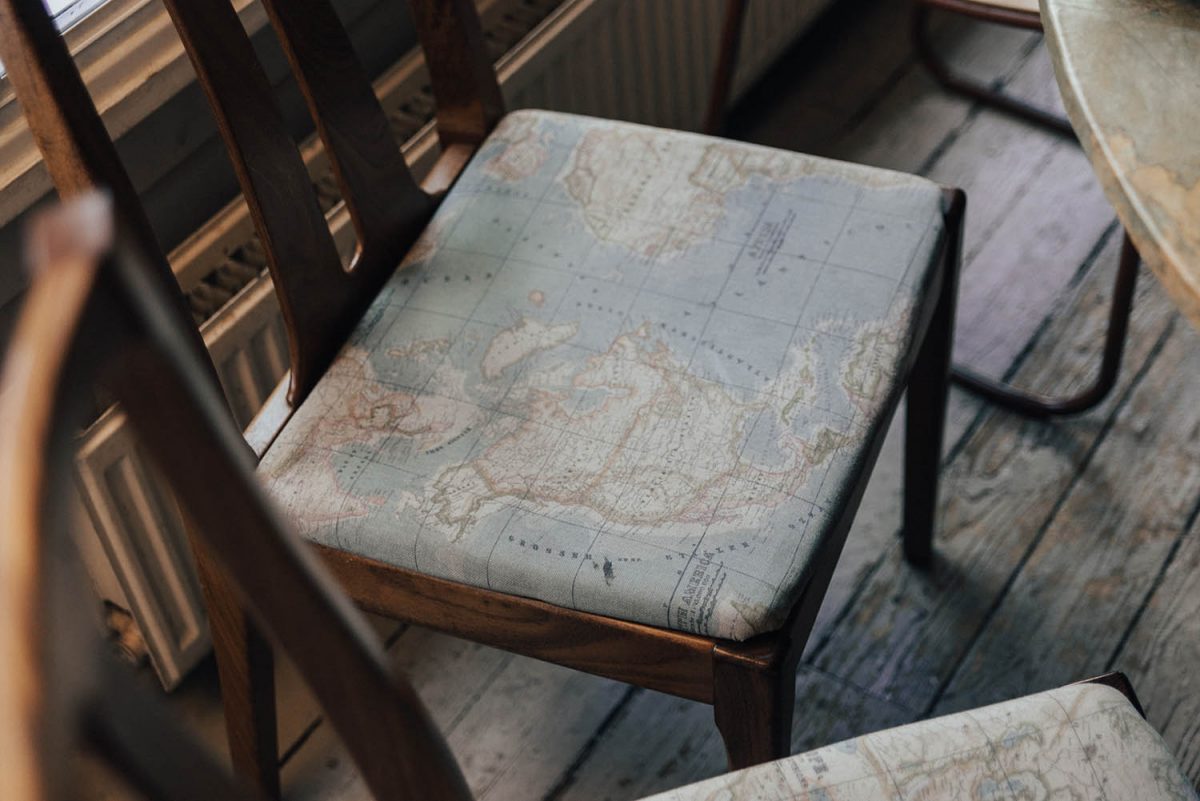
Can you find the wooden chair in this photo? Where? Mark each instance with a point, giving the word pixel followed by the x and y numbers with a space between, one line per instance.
pixel 92 315
pixel 721 620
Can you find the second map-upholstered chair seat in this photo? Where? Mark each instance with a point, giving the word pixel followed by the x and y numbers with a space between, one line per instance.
pixel 1082 741
pixel 625 370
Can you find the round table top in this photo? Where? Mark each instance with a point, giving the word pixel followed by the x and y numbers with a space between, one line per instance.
pixel 1129 72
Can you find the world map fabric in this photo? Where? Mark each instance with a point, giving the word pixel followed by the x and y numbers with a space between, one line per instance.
pixel 625 370
pixel 1084 742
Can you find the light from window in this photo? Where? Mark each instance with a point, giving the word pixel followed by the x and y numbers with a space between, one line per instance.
pixel 67 12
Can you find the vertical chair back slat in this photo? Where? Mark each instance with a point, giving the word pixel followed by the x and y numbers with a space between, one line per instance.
pixel 465 88
pixel 300 249
pixel 383 199
pixel 92 319
pixel 321 300
pixel 38 709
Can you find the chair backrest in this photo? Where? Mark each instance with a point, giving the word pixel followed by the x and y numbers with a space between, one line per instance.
pixel 97 314
pixel 321 299
pixel 76 148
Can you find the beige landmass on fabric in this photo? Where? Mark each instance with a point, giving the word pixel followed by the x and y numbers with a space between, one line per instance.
pixel 657 212
pixel 872 362
pixel 363 411
pixel 519 342
pixel 525 153
pixel 663 447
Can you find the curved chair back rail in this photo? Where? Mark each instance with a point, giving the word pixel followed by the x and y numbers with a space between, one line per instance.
pixel 95 315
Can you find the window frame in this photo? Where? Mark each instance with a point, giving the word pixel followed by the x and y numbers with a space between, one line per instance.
pixel 132 61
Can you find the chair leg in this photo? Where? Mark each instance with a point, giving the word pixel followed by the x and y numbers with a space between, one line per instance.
pixel 753 702
pixel 928 392
pixel 974 90
pixel 1032 405
pixel 245 666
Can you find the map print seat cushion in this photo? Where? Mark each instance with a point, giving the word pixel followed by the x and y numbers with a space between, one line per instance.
pixel 1080 742
pixel 625 370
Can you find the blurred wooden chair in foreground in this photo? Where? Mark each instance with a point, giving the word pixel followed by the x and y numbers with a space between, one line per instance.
pixel 96 314
pixel 611 401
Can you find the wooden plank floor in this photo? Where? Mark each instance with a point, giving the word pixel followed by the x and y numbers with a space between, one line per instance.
pixel 1066 549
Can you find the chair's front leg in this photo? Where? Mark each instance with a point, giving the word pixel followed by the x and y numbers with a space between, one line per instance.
pixel 928 392
pixel 246 668
pixel 753 701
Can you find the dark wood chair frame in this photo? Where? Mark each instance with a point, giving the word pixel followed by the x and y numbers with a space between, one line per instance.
pixel 1002 394
pixel 750 684
pixel 101 315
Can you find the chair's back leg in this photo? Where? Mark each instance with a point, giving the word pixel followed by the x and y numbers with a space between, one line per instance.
pixel 928 392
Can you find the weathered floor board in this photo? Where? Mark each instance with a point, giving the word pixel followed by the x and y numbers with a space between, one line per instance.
pixel 513 723
pixel 1163 650
pixel 1065 548
pixel 1115 530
